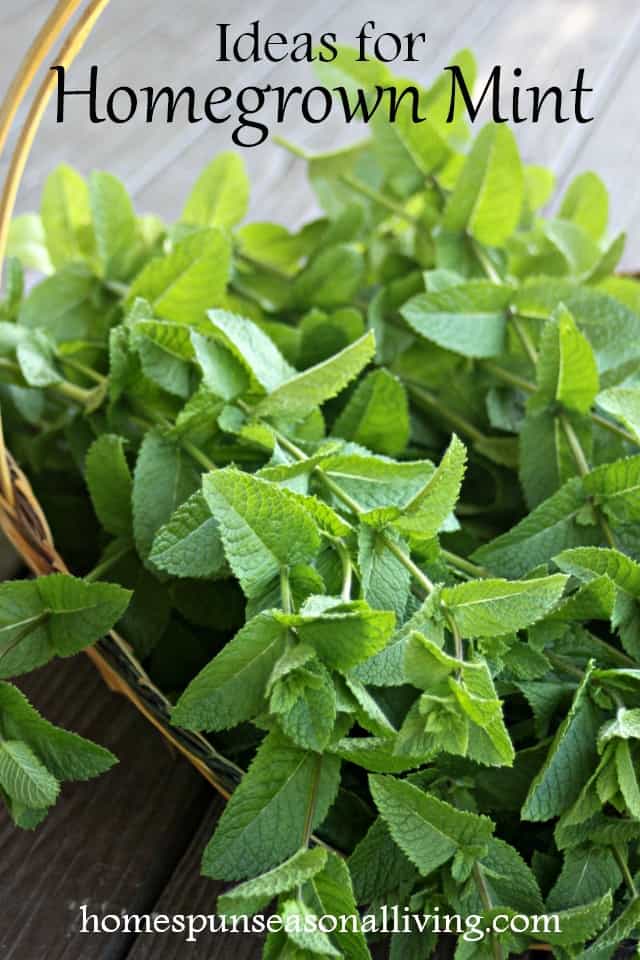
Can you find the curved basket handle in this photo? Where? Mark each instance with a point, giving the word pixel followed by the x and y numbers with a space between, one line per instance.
pixel 68 52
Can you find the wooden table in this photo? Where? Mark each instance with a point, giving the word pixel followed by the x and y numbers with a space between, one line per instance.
pixel 131 841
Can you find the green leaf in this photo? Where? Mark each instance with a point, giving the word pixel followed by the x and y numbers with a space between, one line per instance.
pixel 579 924
pixel 621 928
pixel 567 370
pixel 56 615
pixel 263 527
pixel 554 525
pixel 115 226
pixel 232 688
pixel 616 487
pixel 165 351
pixel 625 726
pixel 586 203
pixel 331 895
pixel 375 754
pixel 587 874
pixel 305 703
pixel 189 544
pixel 331 279
pixel 427 511
pixel 67 306
pixel 66 755
pixel 222 373
pixel 589 562
pixel 306 935
pixel 24 777
pixel 493 608
pixel 284 791
pixel 488 195
pixel 570 761
pixel 220 197
pixel 378 866
pixel 66 216
pixel 189 280
pixel 510 880
pixel 469 318
pixel 477 696
pixel 164 468
pixel 547 458
pixel 110 484
pixel 627 778
pixel 27 243
pixel 376 414
pixel 35 357
pixel 297 397
pixel 612 328
pixel 384 580
pixel 623 404
pixel 377 481
pixel 253 348
pixel 342 634
pixel 249 897
pixel 429 831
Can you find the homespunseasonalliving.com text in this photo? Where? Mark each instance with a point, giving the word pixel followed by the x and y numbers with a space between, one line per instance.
pixel 471 928
pixel 246 107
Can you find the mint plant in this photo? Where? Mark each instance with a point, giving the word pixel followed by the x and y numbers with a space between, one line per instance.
pixel 366 498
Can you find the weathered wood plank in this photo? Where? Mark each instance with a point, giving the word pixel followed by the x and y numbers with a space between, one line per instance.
pixel 610 145
pixel 189 893
pixel 111 843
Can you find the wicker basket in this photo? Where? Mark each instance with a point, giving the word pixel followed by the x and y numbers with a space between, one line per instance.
pixel 21 518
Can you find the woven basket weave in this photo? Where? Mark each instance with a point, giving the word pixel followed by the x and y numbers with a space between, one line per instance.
pixel 21 518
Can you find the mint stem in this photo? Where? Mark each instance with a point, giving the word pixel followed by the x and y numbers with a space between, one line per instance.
pixel 485 896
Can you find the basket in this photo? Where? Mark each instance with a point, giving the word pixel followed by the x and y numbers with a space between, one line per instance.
pixel 21 518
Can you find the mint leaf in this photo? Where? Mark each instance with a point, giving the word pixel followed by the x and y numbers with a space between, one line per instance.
pixel 427 511
pixel 567 369
pixel 66 755
pixel 189 280
pixel 263 527
pixel 253 348
pixel 165 468
pixel 66 216
pixel 264 823
pixel 487 199
pixel 554 525
pixel 493 608
pixel 623 404
pixel 587 204
pixel 429 831
pixel 343 634
pixel 110 484
pixel 115 226
pixel 295 398
pixel 249 897
pixel 189 544
pixel 23 776
pixel 232 688
pixel 56 615
pixel 220 197
pixel 366 417
pixel 570 760
pixel 468 318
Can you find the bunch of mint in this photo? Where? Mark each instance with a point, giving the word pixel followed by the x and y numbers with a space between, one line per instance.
pixel 367 498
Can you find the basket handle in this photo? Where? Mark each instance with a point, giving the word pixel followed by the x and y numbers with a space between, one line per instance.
pixel 68 52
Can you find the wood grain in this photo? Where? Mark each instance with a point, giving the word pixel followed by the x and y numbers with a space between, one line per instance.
pixel 111 843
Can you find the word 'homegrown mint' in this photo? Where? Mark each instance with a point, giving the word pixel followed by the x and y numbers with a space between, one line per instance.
pixel 367 498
